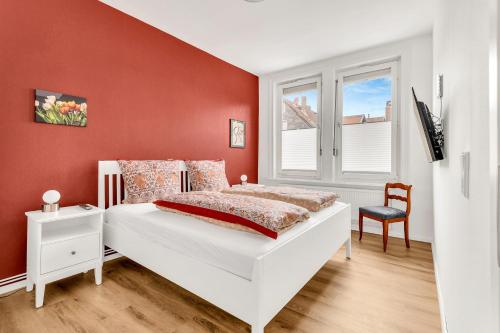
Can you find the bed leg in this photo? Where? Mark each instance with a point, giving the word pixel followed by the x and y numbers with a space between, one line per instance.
pixel 257 329
pixel 348 248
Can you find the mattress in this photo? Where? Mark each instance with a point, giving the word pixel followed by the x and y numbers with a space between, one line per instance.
pixel 231 250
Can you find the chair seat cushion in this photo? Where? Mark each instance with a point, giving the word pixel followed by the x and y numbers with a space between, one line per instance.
pixel 382 212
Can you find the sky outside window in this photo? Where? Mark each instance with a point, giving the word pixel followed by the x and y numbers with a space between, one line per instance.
pixel 368 97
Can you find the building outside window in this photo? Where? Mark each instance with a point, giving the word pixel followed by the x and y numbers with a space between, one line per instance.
pixel 299 131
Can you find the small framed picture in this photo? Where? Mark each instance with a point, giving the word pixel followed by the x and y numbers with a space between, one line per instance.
pixel 237 133
pixel 60 109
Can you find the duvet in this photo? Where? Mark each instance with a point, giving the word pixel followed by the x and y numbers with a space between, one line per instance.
pixel 308 199
pixel 267 217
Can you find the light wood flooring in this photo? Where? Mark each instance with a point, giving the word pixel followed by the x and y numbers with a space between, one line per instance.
pixel 372 292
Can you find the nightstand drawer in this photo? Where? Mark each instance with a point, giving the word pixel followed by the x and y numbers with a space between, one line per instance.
pixel 67 253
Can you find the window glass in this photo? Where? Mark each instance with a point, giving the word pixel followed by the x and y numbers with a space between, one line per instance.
pixel 299 127
pixel 366 122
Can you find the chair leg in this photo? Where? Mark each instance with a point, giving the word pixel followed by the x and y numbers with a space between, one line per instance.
pixel 386 234
pixel 360 226
pixel 407 234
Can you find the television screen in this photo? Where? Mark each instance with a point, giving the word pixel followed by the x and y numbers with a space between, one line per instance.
pixel 431 134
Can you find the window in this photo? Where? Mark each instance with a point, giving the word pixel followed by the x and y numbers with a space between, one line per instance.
pixel 367 123
pixel 354 112
pixel 298 119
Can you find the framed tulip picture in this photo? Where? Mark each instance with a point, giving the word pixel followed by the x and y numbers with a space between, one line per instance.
pixel 60 109
pixel 237 136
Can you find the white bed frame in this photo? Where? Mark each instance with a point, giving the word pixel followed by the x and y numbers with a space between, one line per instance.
pixel 278 275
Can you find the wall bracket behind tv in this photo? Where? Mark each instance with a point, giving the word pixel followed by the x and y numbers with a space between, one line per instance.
pixel 438 129
pixel 431 130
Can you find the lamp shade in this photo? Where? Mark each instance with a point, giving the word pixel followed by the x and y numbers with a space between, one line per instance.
pixel 51 197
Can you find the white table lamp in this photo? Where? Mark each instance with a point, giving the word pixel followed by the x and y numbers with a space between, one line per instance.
pixel 51 201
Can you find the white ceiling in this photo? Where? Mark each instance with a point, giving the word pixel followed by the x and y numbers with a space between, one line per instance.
pixel 272 35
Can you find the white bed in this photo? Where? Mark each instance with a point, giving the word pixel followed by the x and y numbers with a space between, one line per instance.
pixel 248 275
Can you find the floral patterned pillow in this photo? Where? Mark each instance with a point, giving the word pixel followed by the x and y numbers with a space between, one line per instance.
pixel 147 181
pixel 207 175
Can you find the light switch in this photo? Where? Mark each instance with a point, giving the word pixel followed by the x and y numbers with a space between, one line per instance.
pixel 465 163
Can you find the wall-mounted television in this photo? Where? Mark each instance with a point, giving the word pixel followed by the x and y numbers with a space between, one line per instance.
pixel 430 130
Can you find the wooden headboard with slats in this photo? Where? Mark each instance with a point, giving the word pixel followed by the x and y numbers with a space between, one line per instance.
pixel 110 186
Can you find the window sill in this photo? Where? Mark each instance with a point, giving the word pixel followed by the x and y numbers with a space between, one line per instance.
pixel 322 183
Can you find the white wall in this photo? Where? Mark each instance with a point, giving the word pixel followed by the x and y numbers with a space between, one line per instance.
pixel 465 240
pixel 415 70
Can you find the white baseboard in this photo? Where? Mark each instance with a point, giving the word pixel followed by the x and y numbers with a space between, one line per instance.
pixel 376 228
pixel 12 283
pixel 16 282
pixel 12 287
pixel 112 256
pixel 444 325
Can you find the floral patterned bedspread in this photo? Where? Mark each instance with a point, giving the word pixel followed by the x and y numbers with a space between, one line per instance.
pixel 268 217
pixel 309 199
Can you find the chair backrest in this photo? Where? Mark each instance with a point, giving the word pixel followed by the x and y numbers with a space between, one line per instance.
pixel 406 199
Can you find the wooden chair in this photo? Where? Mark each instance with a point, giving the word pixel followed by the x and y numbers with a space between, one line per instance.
pixel 386 214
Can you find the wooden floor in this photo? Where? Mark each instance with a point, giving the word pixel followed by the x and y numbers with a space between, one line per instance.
pixel 372 292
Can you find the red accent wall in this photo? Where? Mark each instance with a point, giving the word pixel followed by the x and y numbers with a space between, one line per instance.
pixel 149 96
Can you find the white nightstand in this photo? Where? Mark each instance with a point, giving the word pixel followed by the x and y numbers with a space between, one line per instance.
pixel 62 244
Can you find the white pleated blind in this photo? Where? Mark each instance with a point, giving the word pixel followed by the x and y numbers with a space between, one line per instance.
pixel 367 147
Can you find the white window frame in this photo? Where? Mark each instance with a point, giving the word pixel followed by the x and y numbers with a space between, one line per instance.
pixel 366 177
pixel 277 116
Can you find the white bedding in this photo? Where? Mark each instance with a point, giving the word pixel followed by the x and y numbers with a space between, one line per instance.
pixel 232 250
